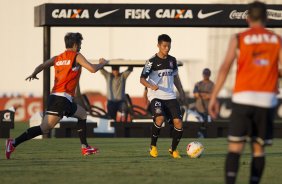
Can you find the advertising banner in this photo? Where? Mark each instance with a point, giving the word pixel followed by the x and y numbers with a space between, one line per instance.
pixel 150 15
pixel 28 106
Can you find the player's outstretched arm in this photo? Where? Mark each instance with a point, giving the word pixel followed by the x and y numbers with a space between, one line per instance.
pixel 130 68
pixel 127 72
pixel 93 68
pixel 104 72
pixel 222 75
pixel 39 68
pixel 280 60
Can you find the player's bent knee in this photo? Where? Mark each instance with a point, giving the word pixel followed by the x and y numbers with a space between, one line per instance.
pixel 45 130
pixel 236 147
pixel 258 150
pixel 177 123
pixel 258 154
pixel 81 114
pixel 159 124
pixel 159 120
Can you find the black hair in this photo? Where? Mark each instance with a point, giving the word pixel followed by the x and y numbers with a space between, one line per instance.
pixel 164 38
pixel 72 38
pixel 115 67
pixel 207 72
pixel 257 11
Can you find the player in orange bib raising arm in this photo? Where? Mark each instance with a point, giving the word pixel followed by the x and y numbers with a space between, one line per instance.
pixel 258 53
pixel 68 67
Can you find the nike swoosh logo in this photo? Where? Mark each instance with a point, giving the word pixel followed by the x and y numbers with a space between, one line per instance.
pixel 202 15
pixel 159 64
pixel 98 15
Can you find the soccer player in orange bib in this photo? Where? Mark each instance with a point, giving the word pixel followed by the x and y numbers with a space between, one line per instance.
pixel 68 67
pixel 254 96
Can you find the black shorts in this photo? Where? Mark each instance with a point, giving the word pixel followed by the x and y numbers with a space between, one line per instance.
pixel 60 106
pixel 251 122
pixel 115 106
pixel 167 108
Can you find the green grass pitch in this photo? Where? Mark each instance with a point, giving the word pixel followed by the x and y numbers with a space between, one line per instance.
pixel 125 161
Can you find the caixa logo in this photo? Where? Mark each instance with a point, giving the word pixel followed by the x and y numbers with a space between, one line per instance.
pixel 63 62
pixel 238 15
pixel 70 14
pixel 160 14
pixel 174 14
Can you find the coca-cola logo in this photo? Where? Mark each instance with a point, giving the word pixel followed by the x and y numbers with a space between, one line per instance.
pixel 238 15
pixel 271 14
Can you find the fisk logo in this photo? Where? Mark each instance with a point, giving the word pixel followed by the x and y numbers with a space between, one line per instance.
pixel 70 14
pixel 174 13
pixel 137 14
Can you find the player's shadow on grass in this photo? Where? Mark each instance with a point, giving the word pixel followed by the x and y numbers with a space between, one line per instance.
pixel 274 154
pixel 213 155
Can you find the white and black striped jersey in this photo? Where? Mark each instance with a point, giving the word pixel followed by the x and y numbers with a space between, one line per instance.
pixel 161 72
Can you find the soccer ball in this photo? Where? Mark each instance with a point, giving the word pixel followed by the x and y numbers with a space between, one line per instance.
pixel 194 149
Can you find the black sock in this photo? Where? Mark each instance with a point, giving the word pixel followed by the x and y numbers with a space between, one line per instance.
pixel 171 127
pixel 81 130
pixel 257 167
pixel 231 167
pixel 155 134
pixel 176 136
pixel 28 134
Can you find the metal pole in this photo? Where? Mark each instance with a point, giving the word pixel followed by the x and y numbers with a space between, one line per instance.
pixel 46 72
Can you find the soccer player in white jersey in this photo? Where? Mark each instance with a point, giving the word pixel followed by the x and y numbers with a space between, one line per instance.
pixel 159 75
